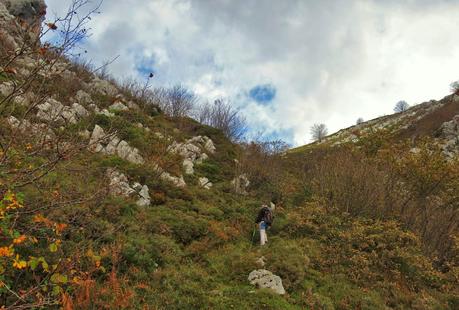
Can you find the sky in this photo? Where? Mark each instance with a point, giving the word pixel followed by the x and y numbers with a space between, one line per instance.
pixel 285 64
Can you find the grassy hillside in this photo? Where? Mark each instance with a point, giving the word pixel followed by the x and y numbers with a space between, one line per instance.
pixel 342 238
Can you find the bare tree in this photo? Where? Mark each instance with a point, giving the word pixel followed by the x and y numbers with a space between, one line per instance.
pixel 224 116
pixel 401 106
pixel 318 132
pixel 359 121
pixel 177 101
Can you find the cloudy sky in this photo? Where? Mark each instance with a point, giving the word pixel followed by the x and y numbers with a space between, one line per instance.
pixel 286 64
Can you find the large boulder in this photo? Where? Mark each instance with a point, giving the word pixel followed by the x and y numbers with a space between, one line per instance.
pixel 192 151
pixel 263 278
pixel 32 12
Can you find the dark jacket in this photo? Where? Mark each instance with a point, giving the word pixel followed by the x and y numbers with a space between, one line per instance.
pixel 265 215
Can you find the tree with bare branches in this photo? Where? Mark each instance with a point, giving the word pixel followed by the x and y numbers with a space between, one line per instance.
pixel 318 132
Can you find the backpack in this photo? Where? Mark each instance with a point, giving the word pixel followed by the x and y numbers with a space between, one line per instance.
pixel 265 215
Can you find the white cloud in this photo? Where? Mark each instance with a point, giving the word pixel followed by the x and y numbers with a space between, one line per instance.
pixel 330 61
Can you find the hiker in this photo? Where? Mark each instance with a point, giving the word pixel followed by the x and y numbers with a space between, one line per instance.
pixel 264 220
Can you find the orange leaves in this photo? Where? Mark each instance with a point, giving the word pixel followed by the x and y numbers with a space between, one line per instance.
pixel 18 263
pixel 57 227
pixel 6 251
pixel 19 239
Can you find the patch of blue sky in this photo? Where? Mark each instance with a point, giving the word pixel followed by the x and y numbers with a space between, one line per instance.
pixel 263 94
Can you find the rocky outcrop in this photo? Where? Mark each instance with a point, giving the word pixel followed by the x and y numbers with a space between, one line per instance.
pixel 41 132
pixel 119 186
pixel 103 87
pixel 110 144
pixel 30 11
pixel 449 132
pixel 240 184
pixel 204 182
pixel 263 278
pixel 83 97
pixel 192 151
pixel 177 181
pixel 54 111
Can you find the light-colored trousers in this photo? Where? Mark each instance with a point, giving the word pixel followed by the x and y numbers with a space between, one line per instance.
pixel 263 236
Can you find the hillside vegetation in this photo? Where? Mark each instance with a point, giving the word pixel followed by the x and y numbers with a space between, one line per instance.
pixel 108 202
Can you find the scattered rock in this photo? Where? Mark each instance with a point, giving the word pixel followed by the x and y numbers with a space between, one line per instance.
pixel 241 183
pixel 204 182
pixel 188 166
pixel 53 110
pixel 192 151
pixel 119 186
pixel 112 145
pixel 263 278
pixel 83 97
pixel 103 87
pixel 118 106
pixel 144 199
pixel 6 89
pixel 177 181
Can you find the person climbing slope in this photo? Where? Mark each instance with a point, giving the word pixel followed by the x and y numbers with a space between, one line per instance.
pixel 264 220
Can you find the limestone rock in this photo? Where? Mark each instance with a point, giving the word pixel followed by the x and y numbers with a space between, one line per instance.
pixel 263 278
pixel 177 181
pixel 204 182
pixel 110 144
pixel 188 166
pixel 6 89
pixel 192 151
pixel 118 106
pixel 53 110
pixel 31 12
pixel 241 183
pixel 119 185
pixel 83 97
pixel 144 199
pixel 449 132
pixel 103 87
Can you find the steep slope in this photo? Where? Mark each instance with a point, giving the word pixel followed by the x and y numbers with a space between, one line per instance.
pixel 109 203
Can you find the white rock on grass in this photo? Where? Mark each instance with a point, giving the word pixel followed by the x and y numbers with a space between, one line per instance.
pixel 103 87
pixel 241 183
pixel 118 106
pixel 144 199
pixel 263 278
pixel 83 97
pixel 53 110
pixel 112 145
pixel 204 182
pixel 192 151
pixel 119 186
pixel 188 166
